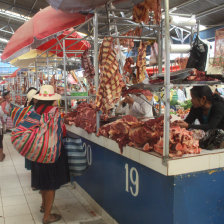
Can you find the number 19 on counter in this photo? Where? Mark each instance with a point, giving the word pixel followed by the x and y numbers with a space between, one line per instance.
pixel 131 180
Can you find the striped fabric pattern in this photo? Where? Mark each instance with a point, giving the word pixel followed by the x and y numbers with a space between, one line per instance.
pixel 77 157
pixel 39 137
pixel 18 113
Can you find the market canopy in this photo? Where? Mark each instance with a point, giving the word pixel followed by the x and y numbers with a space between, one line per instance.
pixel 30 57
pixel 39 29
pixel 75 42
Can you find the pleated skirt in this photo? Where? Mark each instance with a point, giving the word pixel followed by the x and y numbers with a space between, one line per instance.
pixel 50 176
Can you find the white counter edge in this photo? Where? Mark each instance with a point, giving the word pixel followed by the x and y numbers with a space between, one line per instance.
pixel 189 163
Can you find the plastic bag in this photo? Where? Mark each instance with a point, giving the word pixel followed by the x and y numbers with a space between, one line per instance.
pixel 213 139
pixel 198 55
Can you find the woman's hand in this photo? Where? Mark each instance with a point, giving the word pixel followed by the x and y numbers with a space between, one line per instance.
pixel 182 124
pixel 129 100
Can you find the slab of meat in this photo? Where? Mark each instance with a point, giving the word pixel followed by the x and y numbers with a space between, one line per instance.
pixel 129 43
pixel 199 76
pixel 111 82
pixel 148 135
pixel 141 11
pixel 144 92
pixel 119 130
pixel 141 61
pixel 84 117
pixel 127 66
pixel 181 142
pixel 89 71
pixel 154 6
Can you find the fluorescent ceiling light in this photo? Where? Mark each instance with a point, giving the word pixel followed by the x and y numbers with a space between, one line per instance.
pixel 14 15
pixel 81 34
pixel 3 40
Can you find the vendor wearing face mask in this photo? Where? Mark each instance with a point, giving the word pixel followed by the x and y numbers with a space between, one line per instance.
pixel 207 107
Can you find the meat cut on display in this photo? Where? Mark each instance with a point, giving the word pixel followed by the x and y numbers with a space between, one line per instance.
pixel 141 61
pixel 84 117
pixel 111 83
pixel 89 71
pixel 148 135
pixel 129 43
pixel 144 92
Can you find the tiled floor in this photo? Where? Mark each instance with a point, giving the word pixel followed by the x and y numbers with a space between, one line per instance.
pixel 19 204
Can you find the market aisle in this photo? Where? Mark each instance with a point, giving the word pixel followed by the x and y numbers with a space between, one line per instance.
pixel 19 204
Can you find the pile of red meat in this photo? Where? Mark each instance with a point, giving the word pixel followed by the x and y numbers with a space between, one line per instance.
pixel 84 117
pixel 149 136
pixel 200 76
pixel 181 142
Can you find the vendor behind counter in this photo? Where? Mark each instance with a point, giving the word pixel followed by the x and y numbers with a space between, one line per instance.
pixel 207 107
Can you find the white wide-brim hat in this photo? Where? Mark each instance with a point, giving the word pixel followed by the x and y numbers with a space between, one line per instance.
pixel 47 93
pixel 31 94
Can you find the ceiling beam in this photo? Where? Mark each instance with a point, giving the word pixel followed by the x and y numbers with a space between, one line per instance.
pixel 186 3
pixel 32 7
pixel 18 6
pixel 210 11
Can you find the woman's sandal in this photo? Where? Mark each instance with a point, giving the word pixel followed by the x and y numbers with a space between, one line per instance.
pixel 42 209
pixel 52 218
pixel 3 157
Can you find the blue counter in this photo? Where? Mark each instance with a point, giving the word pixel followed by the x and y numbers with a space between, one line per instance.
pixel 138 193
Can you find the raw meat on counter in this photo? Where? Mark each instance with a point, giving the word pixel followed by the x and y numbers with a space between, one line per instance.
pixel 181 142
pixel 200 76
pixel 84 117
pixel 119 130
pixel 111 82
pixel 148 135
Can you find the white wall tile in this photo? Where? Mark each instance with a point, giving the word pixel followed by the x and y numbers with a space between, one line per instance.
pixel 214 161
pixel 188 165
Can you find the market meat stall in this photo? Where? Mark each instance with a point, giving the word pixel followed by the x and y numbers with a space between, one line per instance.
pixel 129 185
pixel 186 190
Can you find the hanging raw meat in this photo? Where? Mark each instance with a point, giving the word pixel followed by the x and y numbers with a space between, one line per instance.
pixel 154 6
pixel 111 82
pixel 89 71
pixel 141 13
pixel 141 61
pixel 129 43
pixel 127 66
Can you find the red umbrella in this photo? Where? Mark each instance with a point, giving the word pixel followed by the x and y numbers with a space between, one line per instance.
pixel 3 82
pixel 14 74
pixel 40 29
pixel 75 44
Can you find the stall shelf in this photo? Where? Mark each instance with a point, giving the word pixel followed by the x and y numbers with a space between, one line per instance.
pixel 136 187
